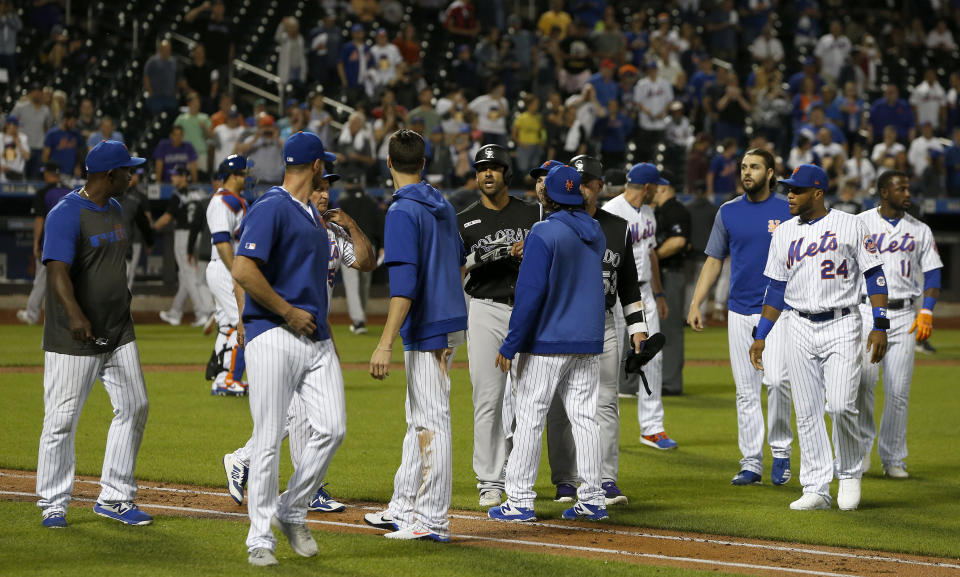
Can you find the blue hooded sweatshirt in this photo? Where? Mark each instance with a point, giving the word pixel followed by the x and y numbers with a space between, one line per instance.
pixel 423 249
pixel 559 301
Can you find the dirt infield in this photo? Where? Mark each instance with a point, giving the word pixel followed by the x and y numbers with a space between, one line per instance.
pixel 593 540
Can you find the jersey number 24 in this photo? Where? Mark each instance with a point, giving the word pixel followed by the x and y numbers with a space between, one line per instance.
pixel 828 270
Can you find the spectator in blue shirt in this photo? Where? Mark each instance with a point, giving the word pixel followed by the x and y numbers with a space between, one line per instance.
pixel 722 177
pixel 809 71
pixel 355 60
pixel 612 131
pixel 893 110
pixel 818 120
pixel 606 87
pixel 64 145
pixel 851 109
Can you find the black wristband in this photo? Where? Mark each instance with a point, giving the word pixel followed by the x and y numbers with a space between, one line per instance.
pixel 880 323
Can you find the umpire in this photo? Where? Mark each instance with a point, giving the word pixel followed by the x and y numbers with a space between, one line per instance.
pixel 673 244
pixel 493 230
pixel 364 211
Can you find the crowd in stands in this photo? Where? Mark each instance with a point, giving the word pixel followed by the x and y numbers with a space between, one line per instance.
pixel 857 87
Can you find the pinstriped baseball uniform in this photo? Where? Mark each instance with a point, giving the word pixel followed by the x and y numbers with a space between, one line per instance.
pixel 224 215
pixel 822 262
pixel 643 236
pixel 907 249
pixel 742 230
pixel 93 242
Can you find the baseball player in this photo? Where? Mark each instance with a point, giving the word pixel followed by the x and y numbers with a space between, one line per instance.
pixel 423 254
pixel 181 209
pixel 492 230
pixel 138 221
pixel 814 266
pixel 283 250
pixel 224 215
pixel 742 230
pixel 619 279
pixel 88 335
pixel 633 206
pixel 557 328
pixel 908 251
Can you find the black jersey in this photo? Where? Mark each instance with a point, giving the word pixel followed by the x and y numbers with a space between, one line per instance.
pixel 480 227
pixel 618 280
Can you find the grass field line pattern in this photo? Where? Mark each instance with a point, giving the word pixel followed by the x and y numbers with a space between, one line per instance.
pixel 627 546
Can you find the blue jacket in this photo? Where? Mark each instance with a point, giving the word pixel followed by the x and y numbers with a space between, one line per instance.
pixel 559 301
pixel 421 238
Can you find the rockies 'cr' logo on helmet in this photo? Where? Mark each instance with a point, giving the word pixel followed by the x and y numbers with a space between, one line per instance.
pixel 489 152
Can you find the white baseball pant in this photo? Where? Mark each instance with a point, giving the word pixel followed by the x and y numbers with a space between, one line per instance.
pixel 423 485
pixel 282 365
pixel 574 378
pixel 228 316
pixel 189 282
pixel 824 367
pixel 67 382
pixel 356 287
pixel 649 407
pixel 749 384
pixel 135 249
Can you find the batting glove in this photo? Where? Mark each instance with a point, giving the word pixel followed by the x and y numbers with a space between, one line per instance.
pixel 923 324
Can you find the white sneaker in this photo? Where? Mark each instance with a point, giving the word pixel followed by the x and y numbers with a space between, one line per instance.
pixel 896 472
pixel 810 502
pixel 262 557
pixel 381 520
pixel 299 536
pixel 417 532
pixel 170 318
pixel 490 497
pixel 24 317
pixel 848 497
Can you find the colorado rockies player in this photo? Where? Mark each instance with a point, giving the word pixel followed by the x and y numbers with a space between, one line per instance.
pixel 619 280
pixel 283 250
pixel 907 249
pixel 633 206
pixel 814 266
pixel 224 215
pixel 423 254
pixel 557 328
pixel 742 230
pixel 88 335
pixel 492 230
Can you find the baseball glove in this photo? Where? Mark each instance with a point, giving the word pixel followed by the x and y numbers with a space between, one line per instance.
pixel 648 349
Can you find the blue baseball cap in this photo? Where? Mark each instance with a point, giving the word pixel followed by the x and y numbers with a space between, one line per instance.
pixel 563 185
pixel 111 154
pixel 544 168
pixel 807 176
pixel 305 147
pixel 331 178
pixel 235 163
pixel 645 173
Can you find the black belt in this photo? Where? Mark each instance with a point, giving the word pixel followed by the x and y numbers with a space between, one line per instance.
pixel 893 305
pixel 825 316
pixel 503 300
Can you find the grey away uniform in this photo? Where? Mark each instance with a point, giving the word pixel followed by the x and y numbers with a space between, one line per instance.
pixel 618 280
pixel 490 284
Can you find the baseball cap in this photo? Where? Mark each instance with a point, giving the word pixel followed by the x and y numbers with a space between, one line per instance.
pixel 304 148
pixel 381 32
pixel 357 28
pixel 807 175
pixel 544 168
pixel 563 185
pixel 110 154
pixel 331 177
pixel 607 63
pixel 587 166
pixel 628 69
pixel 645 173
pixel 233 164
pixel 11 119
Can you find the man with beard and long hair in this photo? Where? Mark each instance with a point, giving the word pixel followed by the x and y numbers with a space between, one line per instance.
pixel 493 230
pixel 742 230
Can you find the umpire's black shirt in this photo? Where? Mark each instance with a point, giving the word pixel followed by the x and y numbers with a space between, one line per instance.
pixel 673 219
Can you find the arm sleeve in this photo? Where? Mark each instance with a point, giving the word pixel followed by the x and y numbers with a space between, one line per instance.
pixel 141 221
pixel 528 295
pixel 60 234
pixel 400 239
pixel 718 245
pixel 628 284
pixel 876 283
pixel 775 293
pixel 195 229
pixel 931 279
pixel 258 231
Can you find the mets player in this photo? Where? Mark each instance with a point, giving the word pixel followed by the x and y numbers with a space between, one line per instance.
pixel 557 327
pixel 88 335
pixel 742 231
pixel 224 215
pixel 492 230
pixel 423 254
pixel 619 280
pixel 909 254
pixel 283 250
pixel 633 206
pixel 814 266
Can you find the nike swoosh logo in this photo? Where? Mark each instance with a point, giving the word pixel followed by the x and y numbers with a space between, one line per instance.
pixel 421 533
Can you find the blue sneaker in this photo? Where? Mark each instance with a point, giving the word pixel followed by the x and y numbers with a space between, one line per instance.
pixel 126 513
pixel 612 494
pixel 566 493
pixel 236 476
pixel 746 478
pixel 780 472
pixel 584 512
pixel 507 512
pixel 324 503
pixel 55 521
pixel 659 441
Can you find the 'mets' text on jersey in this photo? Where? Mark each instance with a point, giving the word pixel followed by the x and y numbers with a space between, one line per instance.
pixel 907 250
pixel 822 261
pixel 479 227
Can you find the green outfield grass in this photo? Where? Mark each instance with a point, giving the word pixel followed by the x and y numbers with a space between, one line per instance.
pixel 188 431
